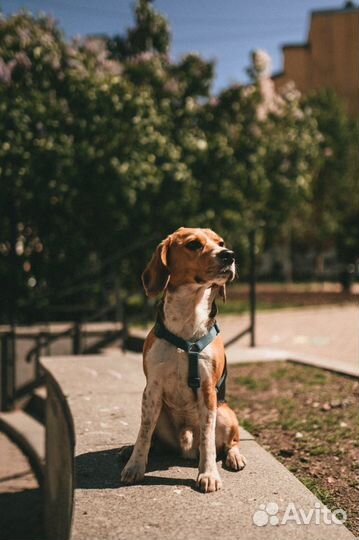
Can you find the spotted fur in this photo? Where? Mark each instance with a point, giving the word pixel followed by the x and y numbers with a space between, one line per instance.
pixel 194 424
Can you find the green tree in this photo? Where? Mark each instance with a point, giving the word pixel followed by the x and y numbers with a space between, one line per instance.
pixel 258 167
pixel 334 203
pixel 35 153
pixel 106 142
pixel 149 34
pixel 86 156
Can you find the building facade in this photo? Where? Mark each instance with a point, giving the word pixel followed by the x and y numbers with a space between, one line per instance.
pixel 329 59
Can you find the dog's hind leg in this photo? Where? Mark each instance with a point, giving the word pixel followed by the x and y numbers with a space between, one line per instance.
pixel 184 440
pixel 189 443
pixel 164 432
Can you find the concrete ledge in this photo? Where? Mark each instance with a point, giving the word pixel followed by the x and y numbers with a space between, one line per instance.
pixel 59 472
pixel 29 436
pixel 103 394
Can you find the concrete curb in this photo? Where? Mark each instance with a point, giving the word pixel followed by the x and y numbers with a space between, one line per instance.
pixel 59 472
pixel 102 395
pixel 237 355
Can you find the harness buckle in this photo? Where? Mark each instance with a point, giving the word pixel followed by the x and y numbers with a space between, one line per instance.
pixel 194 382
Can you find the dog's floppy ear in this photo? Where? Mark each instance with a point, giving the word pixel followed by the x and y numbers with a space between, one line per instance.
pixel 222 293
pixel 156 274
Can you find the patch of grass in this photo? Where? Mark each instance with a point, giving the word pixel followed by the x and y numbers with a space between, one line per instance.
pixel 253 383
pixel 280 373
pixel 249 426
pixel 323 494
pixel 295 373
pixel 290 423
pixel 311 377
pixel 288 418
pixel 318 377
pixel 285 404
pixel 237 307
pixel 312 423
pixel 319 450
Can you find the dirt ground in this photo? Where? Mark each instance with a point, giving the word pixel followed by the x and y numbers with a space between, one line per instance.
pixel 308 419
pixel 278 295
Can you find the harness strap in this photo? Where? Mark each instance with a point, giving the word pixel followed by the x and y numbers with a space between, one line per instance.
pixel 162 333
pixel 221 385
pixel 193 348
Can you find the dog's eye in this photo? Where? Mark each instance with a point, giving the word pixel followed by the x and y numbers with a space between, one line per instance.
pixel 194 245
pixel 221 243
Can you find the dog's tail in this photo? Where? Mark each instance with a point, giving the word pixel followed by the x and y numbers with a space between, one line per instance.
pixel 186 439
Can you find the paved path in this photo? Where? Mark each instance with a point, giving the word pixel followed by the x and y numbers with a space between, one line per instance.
pixel 330 334
pixel 104 393
pixel 20 496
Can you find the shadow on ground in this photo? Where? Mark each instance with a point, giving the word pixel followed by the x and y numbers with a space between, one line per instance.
pixel 102 469
pixel 21 515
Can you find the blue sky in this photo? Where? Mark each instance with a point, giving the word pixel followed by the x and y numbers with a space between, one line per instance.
pixel 224 30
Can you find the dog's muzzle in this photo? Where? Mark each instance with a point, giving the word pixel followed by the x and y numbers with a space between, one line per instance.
pixel 226 260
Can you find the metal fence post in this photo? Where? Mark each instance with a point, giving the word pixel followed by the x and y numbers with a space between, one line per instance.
pixel 76 339
pixel 118 303
pixel 38 341
pixel 252 285
pixel 7 370
pixel 3 372
pixel 125 332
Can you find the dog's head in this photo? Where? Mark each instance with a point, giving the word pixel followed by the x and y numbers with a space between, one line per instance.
pixel 189 256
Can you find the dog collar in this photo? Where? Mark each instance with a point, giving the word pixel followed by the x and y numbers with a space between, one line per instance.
pixel 193 349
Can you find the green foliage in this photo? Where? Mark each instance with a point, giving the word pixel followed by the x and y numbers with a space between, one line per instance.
pixel 261 151
pixel 150 34
pixel 105 143
pixel 334 205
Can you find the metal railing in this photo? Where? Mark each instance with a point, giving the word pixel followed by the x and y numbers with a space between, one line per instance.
pixel 251 328
pixel 11 390
pixel 15 353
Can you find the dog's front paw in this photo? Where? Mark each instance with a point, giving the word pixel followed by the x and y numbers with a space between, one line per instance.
pixel 234 460
pixel 208 482
pixel 133 473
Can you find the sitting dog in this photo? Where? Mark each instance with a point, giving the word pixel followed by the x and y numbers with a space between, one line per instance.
pixel 184 362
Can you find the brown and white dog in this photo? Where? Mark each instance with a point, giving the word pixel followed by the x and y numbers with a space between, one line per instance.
pixel 192 267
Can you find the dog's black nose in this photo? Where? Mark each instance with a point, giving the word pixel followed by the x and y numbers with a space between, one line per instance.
pixel 226 256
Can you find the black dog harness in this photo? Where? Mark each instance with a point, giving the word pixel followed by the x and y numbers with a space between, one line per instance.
pixel 193 348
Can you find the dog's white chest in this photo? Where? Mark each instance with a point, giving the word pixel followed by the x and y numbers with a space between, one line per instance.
pixel 171 367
